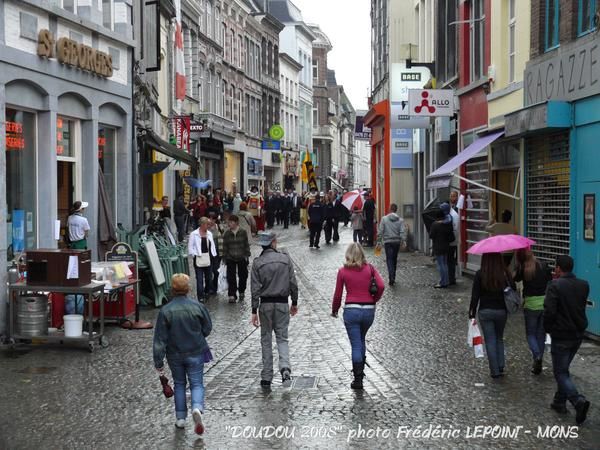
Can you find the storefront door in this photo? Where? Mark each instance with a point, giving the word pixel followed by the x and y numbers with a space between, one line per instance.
pixel 67 153
pixel 587 246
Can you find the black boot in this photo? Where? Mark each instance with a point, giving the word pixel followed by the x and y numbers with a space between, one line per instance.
pixel 536 368
pixel 358 371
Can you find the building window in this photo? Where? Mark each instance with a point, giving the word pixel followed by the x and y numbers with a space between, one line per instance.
pixel 587 11
pixel 107 160
pixel 70 5
pixel 316 116
pixel 315 69
pixel 552 24
pixel 476 31
pixel 107 13
pixel 512 21
pixel 20 180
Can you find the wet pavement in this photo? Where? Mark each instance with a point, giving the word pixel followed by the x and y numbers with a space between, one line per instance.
pixel 423 389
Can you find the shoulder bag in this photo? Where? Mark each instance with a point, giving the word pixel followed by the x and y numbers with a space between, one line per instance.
pixel 512 299
pixel 373 289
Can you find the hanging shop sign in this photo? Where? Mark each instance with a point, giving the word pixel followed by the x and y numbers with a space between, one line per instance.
pixel 361 131
pixel 401 117
pixel 431 102
pixel 72 53
pixel 270 144
pixel 181 131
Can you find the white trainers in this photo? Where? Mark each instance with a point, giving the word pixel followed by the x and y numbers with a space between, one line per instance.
pixel 180 423
pixel 197 415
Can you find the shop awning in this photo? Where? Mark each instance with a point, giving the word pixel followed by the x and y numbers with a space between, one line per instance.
pixel 442 177
pixel 155 142
pixel 334 181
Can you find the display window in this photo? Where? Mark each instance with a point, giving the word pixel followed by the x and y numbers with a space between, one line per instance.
pixel 21 142
pixel 107 160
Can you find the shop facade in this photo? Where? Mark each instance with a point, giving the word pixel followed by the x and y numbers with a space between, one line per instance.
pixel 66 113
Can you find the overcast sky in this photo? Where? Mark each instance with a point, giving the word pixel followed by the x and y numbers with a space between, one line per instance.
pixel 347 24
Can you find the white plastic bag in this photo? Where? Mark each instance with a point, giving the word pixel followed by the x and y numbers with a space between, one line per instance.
pixel 222 284
pixel 548 339
pixel 474 338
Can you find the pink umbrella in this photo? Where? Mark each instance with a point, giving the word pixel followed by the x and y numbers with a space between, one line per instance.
pixel 501 243
pixel 352 199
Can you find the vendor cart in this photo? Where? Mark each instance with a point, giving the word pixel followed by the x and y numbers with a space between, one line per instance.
pixel 88 291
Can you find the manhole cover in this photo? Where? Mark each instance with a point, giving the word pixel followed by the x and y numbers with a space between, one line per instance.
pixel 37 370
pixel 304 382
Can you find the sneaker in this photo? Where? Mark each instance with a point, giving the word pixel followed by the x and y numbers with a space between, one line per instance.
pixel 285 376
pixel 231 299
pixel 197 415
pixel 180 423
pixel 561 409
pixel 439 286
pixel 581 407
pixel 265 383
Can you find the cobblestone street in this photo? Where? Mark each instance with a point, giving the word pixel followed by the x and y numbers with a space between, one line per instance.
pixel 421 373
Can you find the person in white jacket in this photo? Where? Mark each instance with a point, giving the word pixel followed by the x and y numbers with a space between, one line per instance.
pixel 202 248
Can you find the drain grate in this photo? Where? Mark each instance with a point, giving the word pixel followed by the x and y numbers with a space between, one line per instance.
pixel 304 382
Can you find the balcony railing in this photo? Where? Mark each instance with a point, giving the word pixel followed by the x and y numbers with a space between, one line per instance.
pixel 216 126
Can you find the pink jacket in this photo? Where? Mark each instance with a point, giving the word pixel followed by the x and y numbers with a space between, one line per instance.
pixel 357 283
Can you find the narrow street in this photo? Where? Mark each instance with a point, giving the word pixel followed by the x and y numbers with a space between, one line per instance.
pixel 421 374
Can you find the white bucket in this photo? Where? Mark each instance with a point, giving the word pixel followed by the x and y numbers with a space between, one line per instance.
pixel 73 325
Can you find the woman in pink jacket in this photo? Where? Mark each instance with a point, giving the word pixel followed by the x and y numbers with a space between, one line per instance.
pixel 357 276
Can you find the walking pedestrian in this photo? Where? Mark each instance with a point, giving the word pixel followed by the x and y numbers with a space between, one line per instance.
pixel 180 334
pixel 78 226
pixel 236 252
pixel 202 248
pixel 442 234
pixel 369 209
pixel 502 228
pixel 358 221
pixel 487 295
pixel 359 311
pixel 392 233
pixel 273 281
pixel 286 209
pixel 217 230
pixel 179 212
pixel 247 221
pixel 332 218
pixel 165 212
pixel 535 276
pixel 453 251
pixel 565 320
pixel 296 205
pixel 237 201
pixel 316 215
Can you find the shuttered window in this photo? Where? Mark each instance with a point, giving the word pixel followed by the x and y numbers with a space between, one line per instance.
pixel 547 195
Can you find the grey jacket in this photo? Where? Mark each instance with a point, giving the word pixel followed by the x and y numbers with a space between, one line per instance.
pixel 273 277
pixel 391 229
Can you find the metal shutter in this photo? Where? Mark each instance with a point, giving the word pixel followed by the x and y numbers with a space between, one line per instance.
pixel 547 195
pixel 477 169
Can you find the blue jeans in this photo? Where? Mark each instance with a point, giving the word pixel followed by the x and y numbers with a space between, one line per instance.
pixel 534 329
pixel 391 258
pixel 191 367
pixel 357 322
pixel 442 263
pixel 492 323
pixel 203 281
pixel 563 352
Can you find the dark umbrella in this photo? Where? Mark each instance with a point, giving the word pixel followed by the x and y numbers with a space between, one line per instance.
pixel 430 214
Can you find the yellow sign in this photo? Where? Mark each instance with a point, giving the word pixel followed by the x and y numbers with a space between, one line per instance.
pixel 68 51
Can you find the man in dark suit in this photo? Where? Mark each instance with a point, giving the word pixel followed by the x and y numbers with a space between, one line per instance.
pixel 270 205
pixel 286 209
pixel 296 202
pixel 565 320
pixel 369 210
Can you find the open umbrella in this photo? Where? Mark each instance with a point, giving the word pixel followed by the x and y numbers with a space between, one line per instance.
pixel 501 243
pixel 352 199
pixel 196 183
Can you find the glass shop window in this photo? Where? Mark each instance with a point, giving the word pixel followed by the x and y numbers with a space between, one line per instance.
pixel 107 159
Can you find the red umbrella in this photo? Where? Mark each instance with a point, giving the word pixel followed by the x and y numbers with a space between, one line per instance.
pixel 352 199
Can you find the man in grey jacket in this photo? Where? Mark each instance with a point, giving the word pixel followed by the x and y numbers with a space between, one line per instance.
pixel 272 282
pixel 392 234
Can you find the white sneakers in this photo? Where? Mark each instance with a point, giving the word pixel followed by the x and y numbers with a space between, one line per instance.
pixel 197 415
pixel 180 423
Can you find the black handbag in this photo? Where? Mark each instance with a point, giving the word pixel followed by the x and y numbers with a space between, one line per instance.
pixel 373 289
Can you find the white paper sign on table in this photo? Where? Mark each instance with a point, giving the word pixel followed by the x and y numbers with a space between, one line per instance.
pixel 73 268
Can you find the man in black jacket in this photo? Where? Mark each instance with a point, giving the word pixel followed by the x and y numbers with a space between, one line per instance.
pixel 565 320
pixel 442 234
pixel 369 209
pixel 316 215
pixel 332 218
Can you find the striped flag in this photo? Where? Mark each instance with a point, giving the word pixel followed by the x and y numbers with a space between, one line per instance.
pixel 179 63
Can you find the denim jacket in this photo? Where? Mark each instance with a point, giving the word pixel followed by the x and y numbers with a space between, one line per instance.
pixel 181 329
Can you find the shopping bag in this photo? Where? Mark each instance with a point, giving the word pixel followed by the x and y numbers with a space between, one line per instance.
pixel 474 338
pixel 377 251
pixel 222 282
pixel 548 340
